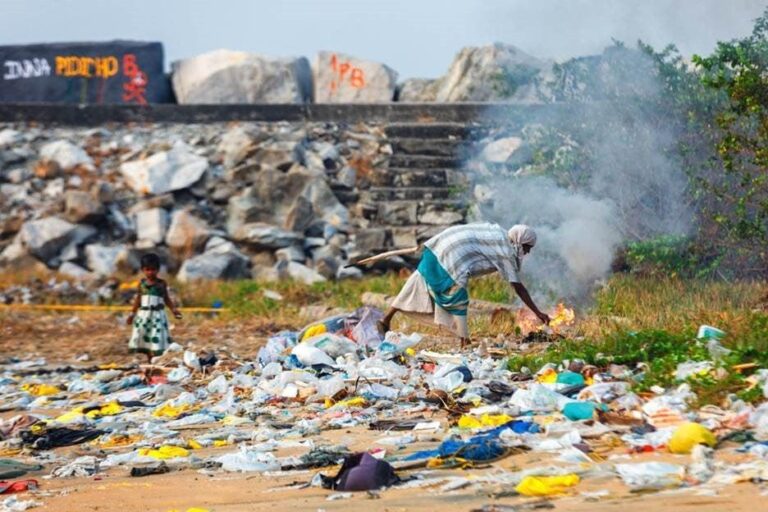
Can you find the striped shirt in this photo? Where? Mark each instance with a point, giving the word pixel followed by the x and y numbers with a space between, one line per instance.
pixel 475 249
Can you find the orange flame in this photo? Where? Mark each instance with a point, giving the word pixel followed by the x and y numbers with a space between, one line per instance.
pixel 560 317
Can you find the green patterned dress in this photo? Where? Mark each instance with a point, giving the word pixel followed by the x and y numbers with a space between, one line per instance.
pixel 150 327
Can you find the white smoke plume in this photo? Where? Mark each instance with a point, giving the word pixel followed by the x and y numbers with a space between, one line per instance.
pixel 631 188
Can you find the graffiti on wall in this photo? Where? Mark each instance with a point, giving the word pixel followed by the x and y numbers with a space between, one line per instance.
pixel 122 72
pixel 345 73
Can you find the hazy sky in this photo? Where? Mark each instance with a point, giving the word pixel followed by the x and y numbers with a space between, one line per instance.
pixel 415 37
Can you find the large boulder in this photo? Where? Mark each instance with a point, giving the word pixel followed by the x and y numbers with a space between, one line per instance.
pixel 221 260
pixel 417 90
pixel 340 78
pixel 497 72
pixel 225 76
pixel 187 232
pixel 151 225
pixel 45 238
pixel 82 207
pixel 166 171
pixel 617 72
pixel 66 155
pixel 103 259
pixel 286 199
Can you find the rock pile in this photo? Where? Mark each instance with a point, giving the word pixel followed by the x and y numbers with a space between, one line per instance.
pixel 269 200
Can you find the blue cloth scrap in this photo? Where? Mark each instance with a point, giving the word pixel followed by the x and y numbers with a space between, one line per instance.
pixel 482 447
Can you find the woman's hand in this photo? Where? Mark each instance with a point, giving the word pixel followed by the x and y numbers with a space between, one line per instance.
pixel 543 317
pixel 177 314
pixel 129 320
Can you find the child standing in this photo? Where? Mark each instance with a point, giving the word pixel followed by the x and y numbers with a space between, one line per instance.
pixel 150 326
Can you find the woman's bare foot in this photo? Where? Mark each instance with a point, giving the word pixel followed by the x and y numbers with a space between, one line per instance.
pixel 465 343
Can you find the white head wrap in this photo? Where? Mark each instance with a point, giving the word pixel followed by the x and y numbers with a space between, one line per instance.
pixel 520 235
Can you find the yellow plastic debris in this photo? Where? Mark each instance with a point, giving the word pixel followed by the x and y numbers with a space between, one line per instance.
pixel 193 509
pixel 546 485
pixel 72 416
pixel 119 440
pixel 41 389
pixel 486 420
pixel 194 445
pixel 220 442
pixel 109 409
pixel 357 401
pixel 548 377
pixel 688 435
pixel 164 452
pixel 409 351
pixel 314 331
pixel 169 411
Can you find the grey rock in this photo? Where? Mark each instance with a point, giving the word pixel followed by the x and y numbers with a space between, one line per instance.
pixel 397 213
pixel 103 260
pixel 166 171
pixel 151 225
pixel 10 137
pixel 82 207
pixel 44 238
pixel 417 90
pixel 291 253
pixel 265 236
pixel 187 232
pixel 235 146
pixel 221 260
pixel 66 155
pixel 496 72
pixel 349 273
pixel 74 271
pixel 369 240
pixel 299 272
pixel 440 216
pixel 341 78
pixel 18 175
pixel 274 196
pixel 500 150
pixel 224 76
pixel 347 176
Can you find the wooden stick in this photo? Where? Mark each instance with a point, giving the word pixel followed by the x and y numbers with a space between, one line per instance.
pixel 383 256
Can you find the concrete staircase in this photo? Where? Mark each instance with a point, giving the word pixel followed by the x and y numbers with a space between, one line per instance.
pixel 420 192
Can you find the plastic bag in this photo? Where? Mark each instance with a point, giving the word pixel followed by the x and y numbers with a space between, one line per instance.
pixel 538 398
pixel 332 344
pixel 248 460
pixel 687 436
pixel 310 356
pixel 651 475
pixel 546 485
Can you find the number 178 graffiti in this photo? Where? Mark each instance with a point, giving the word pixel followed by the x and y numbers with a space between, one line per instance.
pixel 346 71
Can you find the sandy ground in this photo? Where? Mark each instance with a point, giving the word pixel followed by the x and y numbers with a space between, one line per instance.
pixel 60 338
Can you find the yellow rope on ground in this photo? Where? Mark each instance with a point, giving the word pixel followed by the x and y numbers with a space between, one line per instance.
pixel 90 307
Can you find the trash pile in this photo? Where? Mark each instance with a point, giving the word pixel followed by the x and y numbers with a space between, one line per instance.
pixel 432 421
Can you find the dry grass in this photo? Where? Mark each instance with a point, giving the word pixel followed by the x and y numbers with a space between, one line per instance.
pixel 677 305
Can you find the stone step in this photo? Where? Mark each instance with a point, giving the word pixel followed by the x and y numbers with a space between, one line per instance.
pixel 406 177
pixel 425 161
pixel 407 193
pixel 433 211
pixel 428 147
pixel 427 130
pixel 378 239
